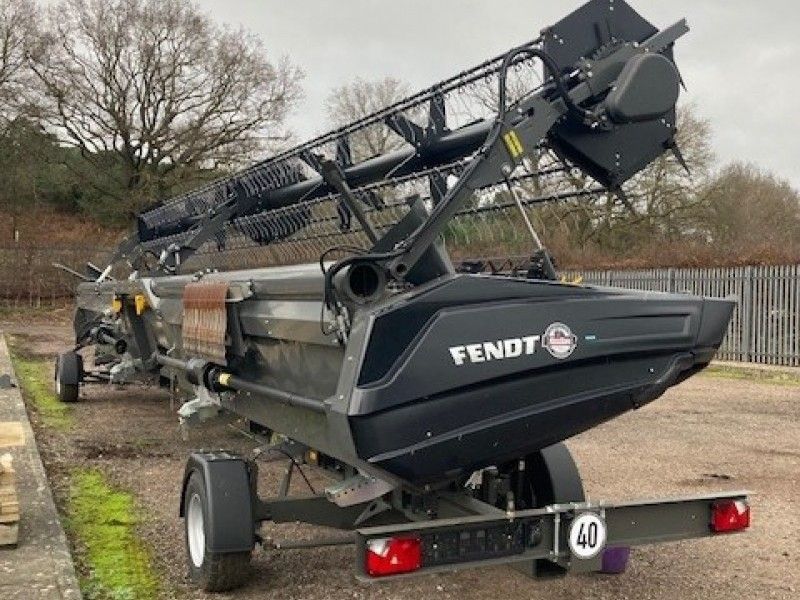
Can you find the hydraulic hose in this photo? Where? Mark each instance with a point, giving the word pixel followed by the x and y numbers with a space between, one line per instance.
pixel 550 65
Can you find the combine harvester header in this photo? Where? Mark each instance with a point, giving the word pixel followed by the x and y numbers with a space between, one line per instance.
pixel 313 294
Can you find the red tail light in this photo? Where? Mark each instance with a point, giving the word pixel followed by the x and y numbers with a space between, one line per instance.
pixel 392 556
pixel 730 515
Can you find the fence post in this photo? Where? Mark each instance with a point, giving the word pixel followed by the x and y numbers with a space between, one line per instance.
pixel 671 280
pixel 748 350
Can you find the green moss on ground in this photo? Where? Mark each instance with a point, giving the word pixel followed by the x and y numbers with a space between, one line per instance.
pixel 103 520
pixel 35 377
pixel 769 376
pixel 100 519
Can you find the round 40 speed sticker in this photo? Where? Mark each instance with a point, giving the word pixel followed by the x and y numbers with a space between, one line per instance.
pixel 587 535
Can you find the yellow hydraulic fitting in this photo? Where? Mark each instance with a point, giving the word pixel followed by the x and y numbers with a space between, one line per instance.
pixel 141 304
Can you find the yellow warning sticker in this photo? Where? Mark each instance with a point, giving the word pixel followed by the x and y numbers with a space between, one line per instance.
pixel 513 144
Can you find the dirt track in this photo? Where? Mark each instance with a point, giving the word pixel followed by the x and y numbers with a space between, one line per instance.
pixel 708 434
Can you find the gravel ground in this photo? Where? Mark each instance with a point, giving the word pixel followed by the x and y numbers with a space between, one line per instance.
pixel 709 434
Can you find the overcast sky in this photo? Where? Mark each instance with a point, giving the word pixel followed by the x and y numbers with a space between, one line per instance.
pixel 741 61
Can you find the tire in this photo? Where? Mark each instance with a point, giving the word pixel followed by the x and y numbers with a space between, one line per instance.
pixel 210 571
pixel 69 367
pixel 550 477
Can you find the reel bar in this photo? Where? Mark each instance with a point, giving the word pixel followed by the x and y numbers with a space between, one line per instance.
pixel 604 106
pixel 282 222
pixel 251 174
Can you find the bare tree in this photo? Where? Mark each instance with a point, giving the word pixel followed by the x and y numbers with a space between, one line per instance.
pixel 17 32
pixel 661 203
pixel 666 193
pixel 360 98
pixel 158 89
pixel 750 208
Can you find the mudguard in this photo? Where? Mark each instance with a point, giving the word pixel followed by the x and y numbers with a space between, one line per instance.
pixel 556 478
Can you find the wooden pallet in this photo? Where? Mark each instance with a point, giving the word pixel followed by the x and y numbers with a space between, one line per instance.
pixel 9 503
pixel 11 434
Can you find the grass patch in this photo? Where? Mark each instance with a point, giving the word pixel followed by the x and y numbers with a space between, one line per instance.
pixel 769 376
pixel 103 520
pixel 36 380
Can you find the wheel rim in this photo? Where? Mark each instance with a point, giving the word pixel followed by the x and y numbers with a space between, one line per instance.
pixel 195 531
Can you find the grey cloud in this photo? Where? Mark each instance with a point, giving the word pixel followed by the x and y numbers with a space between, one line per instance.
pixel 741 62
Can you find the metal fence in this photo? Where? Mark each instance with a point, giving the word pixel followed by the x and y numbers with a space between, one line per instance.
pixel 29 279
pixel 764 327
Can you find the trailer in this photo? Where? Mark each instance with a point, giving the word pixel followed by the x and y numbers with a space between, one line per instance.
pixel 314 295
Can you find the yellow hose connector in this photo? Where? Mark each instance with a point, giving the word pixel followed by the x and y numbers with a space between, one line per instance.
pixel 577 280
pixel 141 304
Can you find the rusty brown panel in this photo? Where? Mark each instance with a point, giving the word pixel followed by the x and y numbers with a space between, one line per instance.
pixel 205 320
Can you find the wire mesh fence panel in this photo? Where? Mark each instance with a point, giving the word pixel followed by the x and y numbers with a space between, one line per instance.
pixel 28 277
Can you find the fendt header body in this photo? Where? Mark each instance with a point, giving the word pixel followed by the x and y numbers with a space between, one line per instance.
pixel 314 293
pixel 370 342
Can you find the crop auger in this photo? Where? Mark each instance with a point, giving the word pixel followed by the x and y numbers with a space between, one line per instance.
pixel 314 295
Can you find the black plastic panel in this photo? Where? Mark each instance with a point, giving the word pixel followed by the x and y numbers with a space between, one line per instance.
pixel 428 418
pixel 592 26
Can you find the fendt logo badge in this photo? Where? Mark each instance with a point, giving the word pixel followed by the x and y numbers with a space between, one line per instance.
pixel 557 339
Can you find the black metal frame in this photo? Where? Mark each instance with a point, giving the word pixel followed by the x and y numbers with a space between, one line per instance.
pixel 492 149
pixel 540 534
pixel 534 541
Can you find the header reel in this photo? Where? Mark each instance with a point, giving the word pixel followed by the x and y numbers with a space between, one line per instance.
pixel 605 108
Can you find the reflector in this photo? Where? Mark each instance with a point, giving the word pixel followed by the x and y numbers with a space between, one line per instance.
pixel 730 515
pixel 392 556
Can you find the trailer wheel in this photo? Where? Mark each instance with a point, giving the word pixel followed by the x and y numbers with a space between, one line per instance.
pixel 211 571
pixel 68 375
pixel 550 476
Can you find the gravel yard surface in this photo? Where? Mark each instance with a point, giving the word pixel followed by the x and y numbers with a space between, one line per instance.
pixel 711 433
